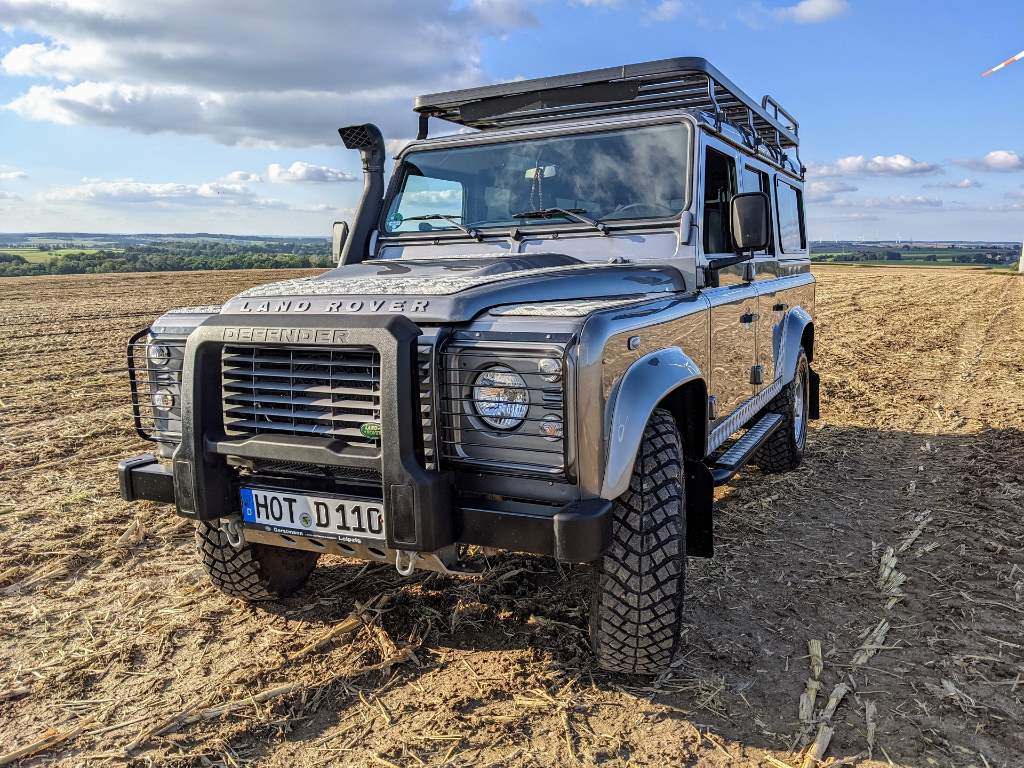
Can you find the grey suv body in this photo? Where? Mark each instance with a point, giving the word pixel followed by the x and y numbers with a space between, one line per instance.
pixel 554 334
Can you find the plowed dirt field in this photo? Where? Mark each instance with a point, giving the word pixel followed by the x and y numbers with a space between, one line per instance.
pixel 899 545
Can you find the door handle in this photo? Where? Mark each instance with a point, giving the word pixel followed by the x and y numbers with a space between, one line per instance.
pixel 749 317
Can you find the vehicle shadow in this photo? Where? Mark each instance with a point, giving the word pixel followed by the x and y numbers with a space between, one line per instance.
pixel 797 558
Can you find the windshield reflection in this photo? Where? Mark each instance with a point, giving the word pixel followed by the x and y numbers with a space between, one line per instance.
pixel 608 176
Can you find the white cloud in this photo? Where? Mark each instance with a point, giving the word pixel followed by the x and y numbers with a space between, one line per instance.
pixel 129 191
pixel 826 191
pixel 12 175
pixel 394 146
pixel 813 11
pixel 897 202
pixel 961 184
pixel 274 74
pixel 666 10
pixel 879 165
pixel 243 177
pixel 8 195
pixel 300 171
pixel 1000 161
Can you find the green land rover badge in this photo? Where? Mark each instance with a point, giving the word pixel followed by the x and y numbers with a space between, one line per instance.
pixel 370 429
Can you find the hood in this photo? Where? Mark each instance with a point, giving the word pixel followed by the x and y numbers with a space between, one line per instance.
pixel 453 288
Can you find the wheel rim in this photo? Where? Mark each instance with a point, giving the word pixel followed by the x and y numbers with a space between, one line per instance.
pixel 800 407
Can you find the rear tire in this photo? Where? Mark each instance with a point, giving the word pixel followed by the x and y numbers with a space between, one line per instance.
pixel 252 572
pixel 784 450
pixel 638 595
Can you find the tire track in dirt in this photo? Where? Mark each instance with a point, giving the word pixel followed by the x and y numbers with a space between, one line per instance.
pixel 504 676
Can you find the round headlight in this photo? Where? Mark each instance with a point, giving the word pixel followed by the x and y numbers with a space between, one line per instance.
pixel 159 354
pixel 163 399
pixel 500 398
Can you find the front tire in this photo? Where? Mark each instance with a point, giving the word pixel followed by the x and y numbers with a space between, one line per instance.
pixel 252 572
pixel 638 595
pixel 784 450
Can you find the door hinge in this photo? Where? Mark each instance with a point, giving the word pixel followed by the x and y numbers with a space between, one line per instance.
pixel 757 374
pixel 712 408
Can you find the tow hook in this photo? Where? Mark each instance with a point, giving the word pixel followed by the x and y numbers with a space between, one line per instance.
pixel 232 528
pixel 405 562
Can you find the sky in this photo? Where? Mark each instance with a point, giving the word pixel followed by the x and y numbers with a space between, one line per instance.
pixel 193 116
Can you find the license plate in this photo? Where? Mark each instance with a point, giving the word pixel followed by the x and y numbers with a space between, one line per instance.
pixel 330 517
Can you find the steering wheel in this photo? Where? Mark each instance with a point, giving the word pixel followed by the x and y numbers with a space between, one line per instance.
pixel 654 209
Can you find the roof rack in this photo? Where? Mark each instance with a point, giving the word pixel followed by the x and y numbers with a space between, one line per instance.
pixel 687 83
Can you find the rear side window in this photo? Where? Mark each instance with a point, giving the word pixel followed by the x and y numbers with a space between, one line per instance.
pixel 791 217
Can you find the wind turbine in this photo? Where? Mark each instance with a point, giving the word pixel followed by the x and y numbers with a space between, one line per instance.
pixel 1008 62
pixel 996 68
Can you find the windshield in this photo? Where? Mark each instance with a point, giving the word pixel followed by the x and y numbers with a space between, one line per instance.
pixel 633 173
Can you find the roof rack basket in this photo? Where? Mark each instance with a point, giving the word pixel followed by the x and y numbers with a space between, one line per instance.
pixel 679 83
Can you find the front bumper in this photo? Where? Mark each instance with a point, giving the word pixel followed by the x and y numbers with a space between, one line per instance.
pixel 577 532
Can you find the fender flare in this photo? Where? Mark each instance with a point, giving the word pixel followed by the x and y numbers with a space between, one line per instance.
pixel 645 384
pixel 797 321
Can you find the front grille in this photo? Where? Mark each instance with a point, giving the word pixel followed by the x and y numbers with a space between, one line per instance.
pixel 302 391
pixel 319 471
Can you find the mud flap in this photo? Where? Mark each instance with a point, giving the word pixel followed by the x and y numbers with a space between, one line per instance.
pixel 700 501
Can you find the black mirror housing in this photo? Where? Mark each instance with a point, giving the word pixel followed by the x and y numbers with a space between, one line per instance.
pixel 339 234
pixel 750 216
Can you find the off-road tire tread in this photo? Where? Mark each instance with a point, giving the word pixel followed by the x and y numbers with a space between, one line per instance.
pixel 252 572
pixel 780 452
pixel 638 595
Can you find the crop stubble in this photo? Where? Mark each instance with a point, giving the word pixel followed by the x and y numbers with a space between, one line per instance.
pixel 898 546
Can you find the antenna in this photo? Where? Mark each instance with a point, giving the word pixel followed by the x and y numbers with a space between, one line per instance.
pixel 996 68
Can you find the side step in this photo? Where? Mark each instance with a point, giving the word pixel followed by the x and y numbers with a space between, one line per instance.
pixel 733 460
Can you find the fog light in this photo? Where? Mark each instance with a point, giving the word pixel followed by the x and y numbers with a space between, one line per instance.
pixel 550 369
pixel 158 354
pixel 551 427
pixel 163 399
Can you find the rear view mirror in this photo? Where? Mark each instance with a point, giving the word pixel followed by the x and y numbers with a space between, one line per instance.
pixel 338 237
pixel 541 171
pixel 750 221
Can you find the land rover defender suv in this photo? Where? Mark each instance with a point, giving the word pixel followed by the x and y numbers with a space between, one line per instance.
pixel 554 331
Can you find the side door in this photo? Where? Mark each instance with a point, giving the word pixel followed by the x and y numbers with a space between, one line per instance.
pixel 734 302
pixel 795 287
pixel 771 311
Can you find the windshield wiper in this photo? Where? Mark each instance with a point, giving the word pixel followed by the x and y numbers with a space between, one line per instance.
pixel 450 219
pixel 569 213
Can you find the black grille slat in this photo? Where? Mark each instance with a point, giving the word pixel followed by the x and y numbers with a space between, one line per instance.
pixel 303 400
pixel 290 427
pixel 286 387
pixel 305 413
pixel 301 391
pixel 425 364
pixel 305 375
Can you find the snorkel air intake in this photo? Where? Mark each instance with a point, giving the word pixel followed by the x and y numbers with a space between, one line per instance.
pixel 368 140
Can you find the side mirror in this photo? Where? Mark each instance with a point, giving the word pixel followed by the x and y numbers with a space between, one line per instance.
pixel 750 221
pixel 339 235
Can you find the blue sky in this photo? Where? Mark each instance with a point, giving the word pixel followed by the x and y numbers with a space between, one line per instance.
pixel 184 115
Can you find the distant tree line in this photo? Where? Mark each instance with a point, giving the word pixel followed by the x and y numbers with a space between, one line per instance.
pixel 956 256
pixel 173 256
